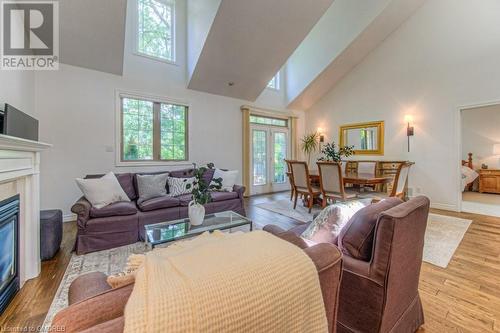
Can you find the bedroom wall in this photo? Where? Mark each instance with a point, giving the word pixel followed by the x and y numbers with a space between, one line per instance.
pixel 76 109
pixel 480 131
pixel 443 58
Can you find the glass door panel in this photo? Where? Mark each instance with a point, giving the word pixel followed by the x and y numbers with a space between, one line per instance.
pixel 280 153
pixel 259 157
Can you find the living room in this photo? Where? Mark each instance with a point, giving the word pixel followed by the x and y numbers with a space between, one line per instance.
pixel 143 90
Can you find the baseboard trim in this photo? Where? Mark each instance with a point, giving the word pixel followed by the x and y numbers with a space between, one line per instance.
pixel 69 217
pixel 443 206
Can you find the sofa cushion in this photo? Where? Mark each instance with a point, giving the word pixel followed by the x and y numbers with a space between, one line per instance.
pixel 115 209
pixel 126 181
pixel 158 203
pixel 102 191
pixel 356 238
pixel 221 196
pixel 185 199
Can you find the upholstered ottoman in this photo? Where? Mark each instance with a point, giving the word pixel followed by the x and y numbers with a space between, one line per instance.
pixel 51 230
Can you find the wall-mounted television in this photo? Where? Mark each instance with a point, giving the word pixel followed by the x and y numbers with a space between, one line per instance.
pixel 18 124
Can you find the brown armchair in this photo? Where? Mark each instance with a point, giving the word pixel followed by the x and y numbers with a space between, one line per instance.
pixel 382 249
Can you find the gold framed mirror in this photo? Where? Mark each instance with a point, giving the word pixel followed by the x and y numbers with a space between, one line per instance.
pixel 367 138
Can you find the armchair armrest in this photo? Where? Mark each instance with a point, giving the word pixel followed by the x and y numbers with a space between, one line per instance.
pixel 93 311
pixel 82 209
pixel 273 229
pixel 240 190
pixel 360 268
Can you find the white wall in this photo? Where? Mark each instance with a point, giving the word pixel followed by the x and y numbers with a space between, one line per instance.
pixel 442 58
pixel 18 89
pixel 76 109
pixel 480 131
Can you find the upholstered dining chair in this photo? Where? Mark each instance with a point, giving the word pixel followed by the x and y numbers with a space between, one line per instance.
pixel 302 183
pixel 290 177
pixel 367 168
pixel 398 186
pixel 331 182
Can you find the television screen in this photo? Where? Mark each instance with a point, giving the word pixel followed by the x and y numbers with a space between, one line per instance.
pixel 19 124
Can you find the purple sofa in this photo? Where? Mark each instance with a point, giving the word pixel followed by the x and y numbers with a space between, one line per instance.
pixel 123 223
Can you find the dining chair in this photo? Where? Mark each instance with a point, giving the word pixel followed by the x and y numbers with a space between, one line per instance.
pixel 331 182
pixel 290 177
pixel 369 169
pixel 302 183
pixel 398 185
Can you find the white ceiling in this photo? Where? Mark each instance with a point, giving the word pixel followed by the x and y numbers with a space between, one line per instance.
pixel 249 41
pixel 379 24
pixel 92 34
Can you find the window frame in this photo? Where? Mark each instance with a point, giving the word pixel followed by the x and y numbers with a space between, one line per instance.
pixel 136 51
pixel 157 100
pixel 276 78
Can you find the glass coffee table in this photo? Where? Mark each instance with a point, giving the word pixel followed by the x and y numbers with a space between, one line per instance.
pixel 165 232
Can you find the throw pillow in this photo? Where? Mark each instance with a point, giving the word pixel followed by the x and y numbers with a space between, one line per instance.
pixel 228 179
pixel 178 186
pixel 102 191
pixel 151 186
pixel 327 225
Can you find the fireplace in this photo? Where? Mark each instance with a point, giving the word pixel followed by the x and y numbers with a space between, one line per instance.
pixel 9 250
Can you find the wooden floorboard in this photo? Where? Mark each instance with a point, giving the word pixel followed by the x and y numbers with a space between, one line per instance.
pixel 464 297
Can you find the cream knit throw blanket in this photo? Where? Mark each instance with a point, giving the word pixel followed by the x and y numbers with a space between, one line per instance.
pixel 241 282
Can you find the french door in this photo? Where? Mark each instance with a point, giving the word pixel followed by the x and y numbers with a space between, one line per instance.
pixel 269 147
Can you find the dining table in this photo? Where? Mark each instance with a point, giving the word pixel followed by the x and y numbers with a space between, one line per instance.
pixel 355 178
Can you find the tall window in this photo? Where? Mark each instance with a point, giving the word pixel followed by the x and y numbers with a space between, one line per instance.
pixel 153 131
pixel 275 82
pixel 155 31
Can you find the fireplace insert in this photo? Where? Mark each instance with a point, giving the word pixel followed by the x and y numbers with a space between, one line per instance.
pixel 9 250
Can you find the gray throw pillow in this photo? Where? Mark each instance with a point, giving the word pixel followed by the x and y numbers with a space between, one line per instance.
pixel 151 186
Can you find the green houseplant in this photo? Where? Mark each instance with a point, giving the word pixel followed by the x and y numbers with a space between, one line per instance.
pixel 332 154
pixel 201 193
pixel 310 144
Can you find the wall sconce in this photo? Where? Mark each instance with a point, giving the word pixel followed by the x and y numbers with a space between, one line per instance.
pixel 410 131
pixel 321 135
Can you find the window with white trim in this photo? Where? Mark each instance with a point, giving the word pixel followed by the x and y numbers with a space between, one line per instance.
pixel 275 82
pixel 156 29
pixel 153 130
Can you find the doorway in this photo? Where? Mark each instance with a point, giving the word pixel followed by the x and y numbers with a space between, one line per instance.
pixel 269 147
pixel 480 154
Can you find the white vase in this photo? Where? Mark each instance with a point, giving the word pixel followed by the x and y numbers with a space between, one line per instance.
pixel 196 213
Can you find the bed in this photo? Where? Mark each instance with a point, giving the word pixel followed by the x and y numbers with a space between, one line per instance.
pixel 469 175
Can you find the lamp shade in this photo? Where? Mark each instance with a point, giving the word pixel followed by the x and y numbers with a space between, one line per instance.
pixel 496 149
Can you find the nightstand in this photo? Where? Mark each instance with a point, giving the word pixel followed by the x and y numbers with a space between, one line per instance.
pixel 489 181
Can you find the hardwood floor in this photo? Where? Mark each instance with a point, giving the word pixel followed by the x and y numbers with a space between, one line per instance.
pixel 464 297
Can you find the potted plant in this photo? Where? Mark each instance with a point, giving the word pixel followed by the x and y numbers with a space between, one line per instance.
pixel 310 144
pixel 201 194
pixel 333 155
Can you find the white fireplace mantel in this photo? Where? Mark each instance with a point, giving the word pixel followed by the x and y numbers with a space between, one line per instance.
pixel 20 174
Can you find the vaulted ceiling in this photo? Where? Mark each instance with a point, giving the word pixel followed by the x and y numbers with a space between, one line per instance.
pixel 92 34
pixel 248 42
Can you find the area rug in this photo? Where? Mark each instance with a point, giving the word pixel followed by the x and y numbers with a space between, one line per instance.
pixel 285 207
pixel 442 238
pixel 109 262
